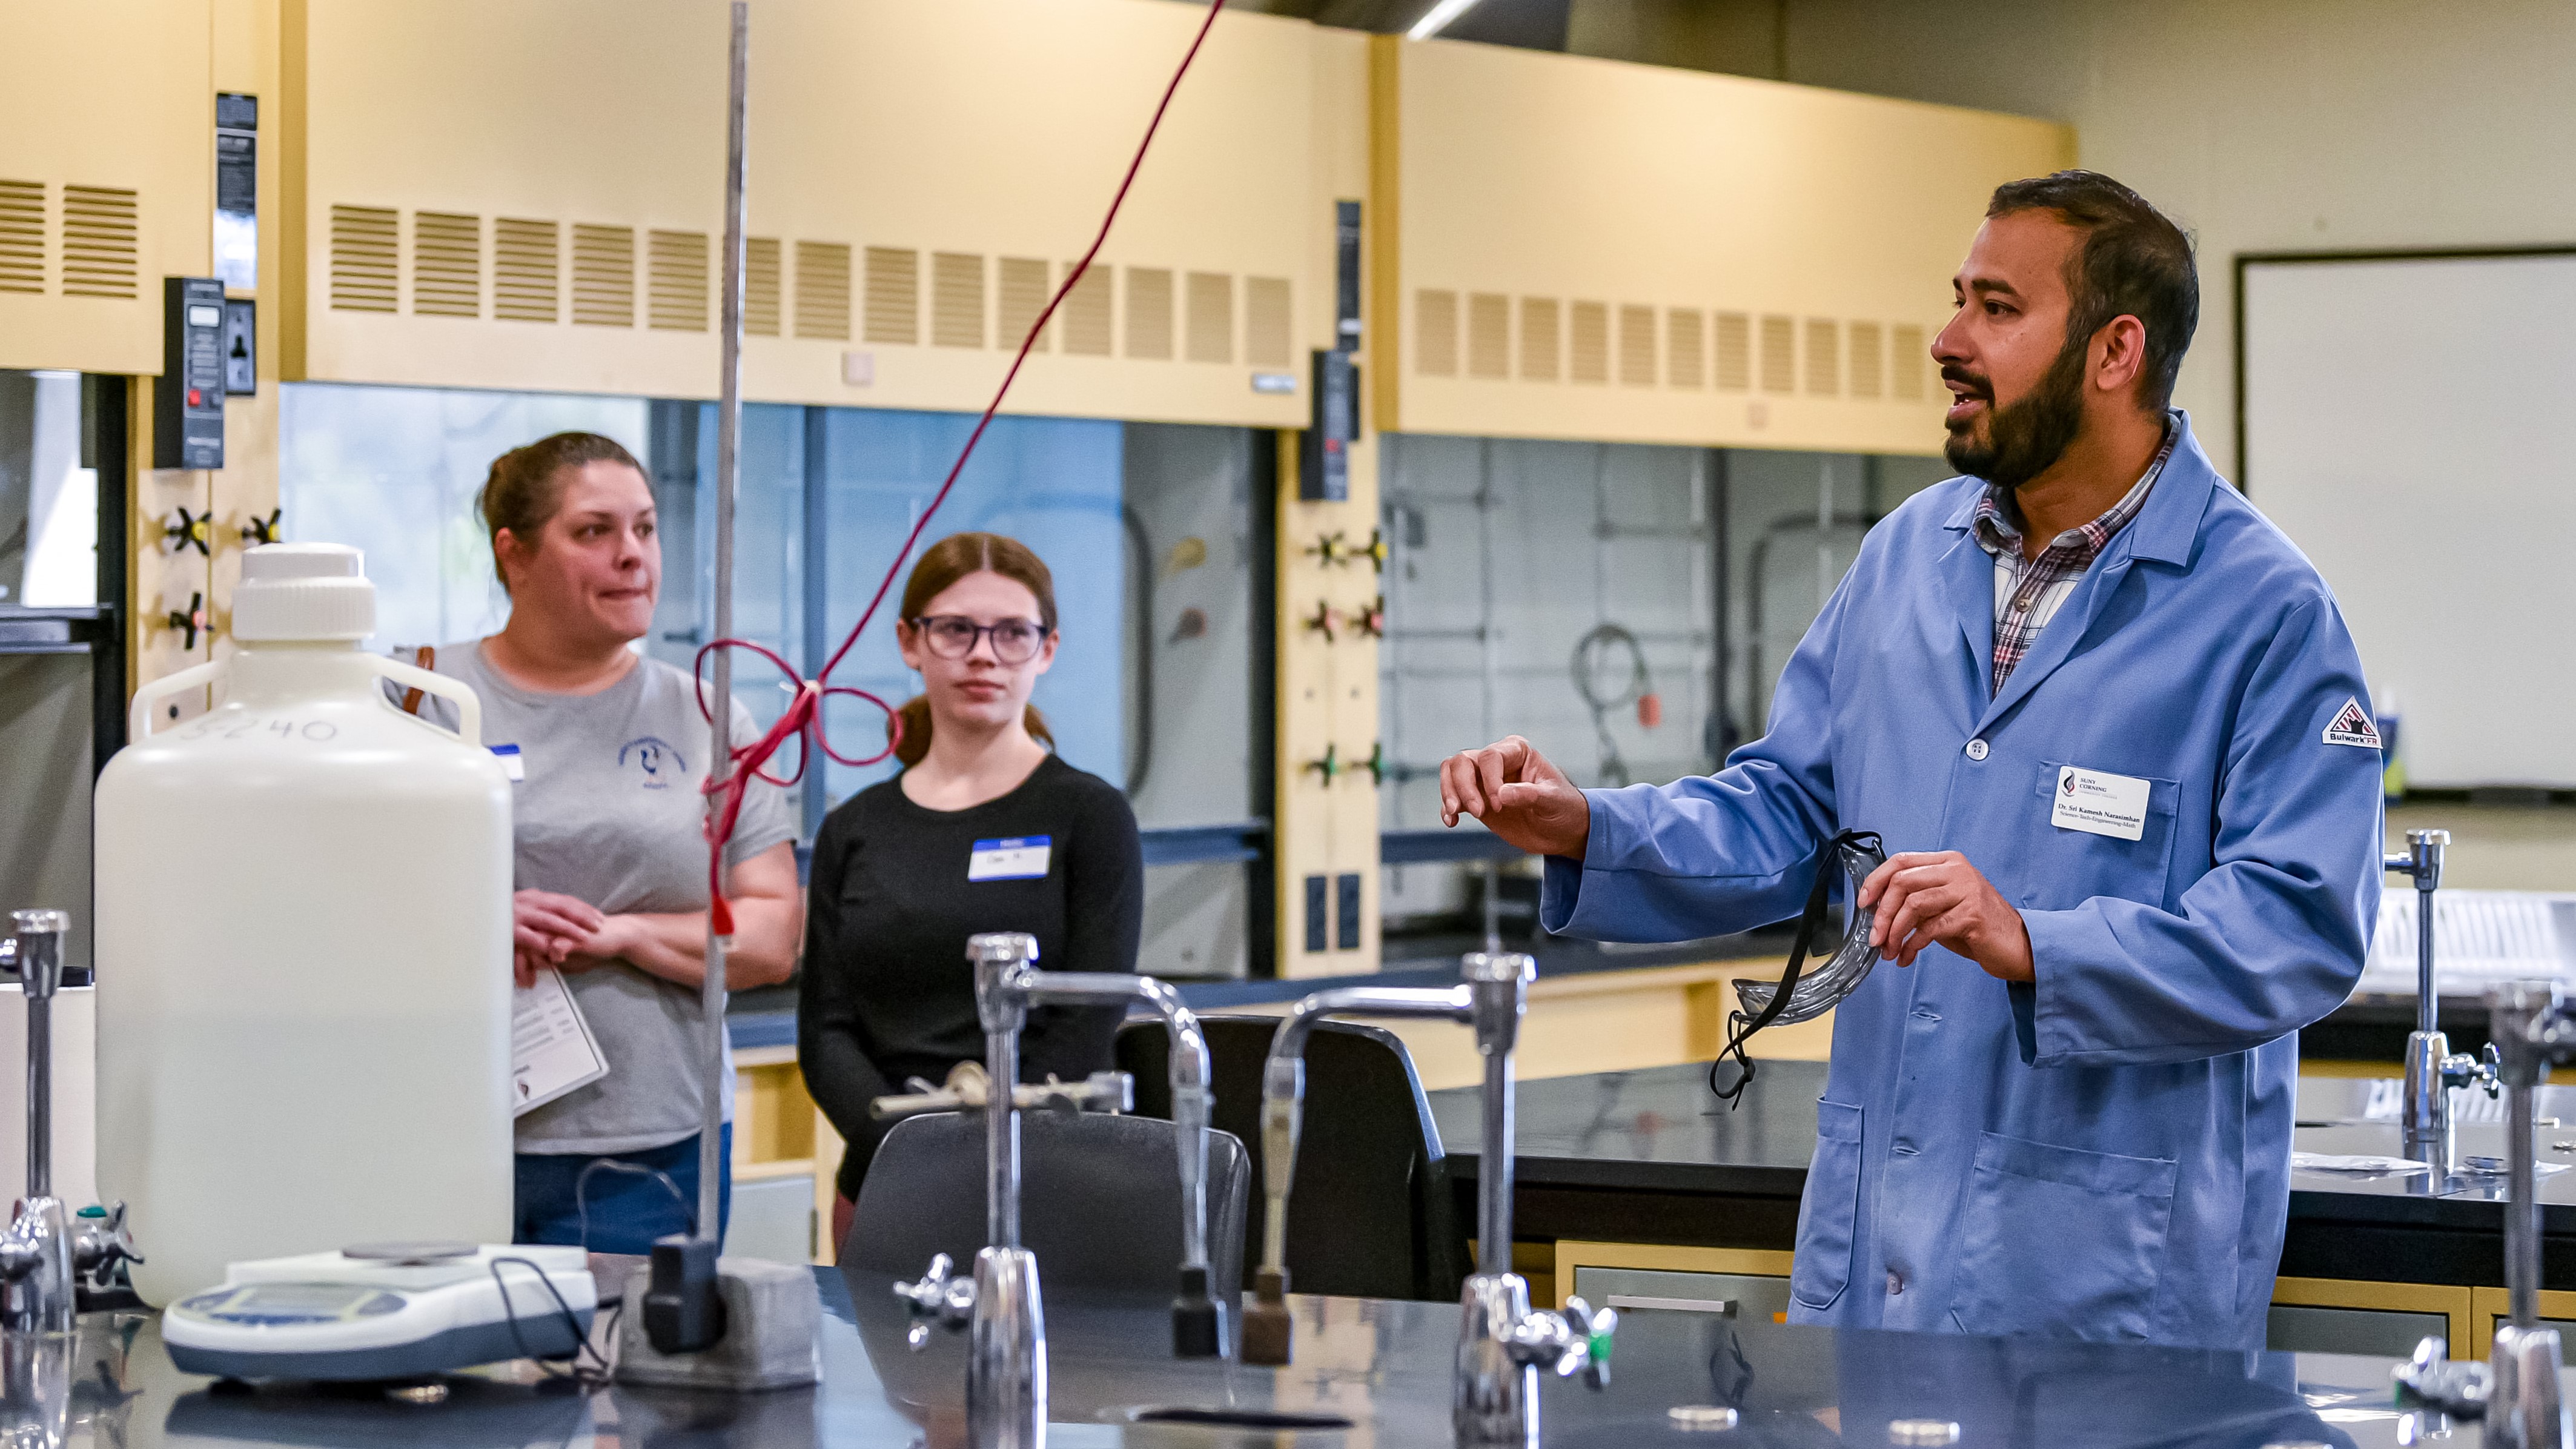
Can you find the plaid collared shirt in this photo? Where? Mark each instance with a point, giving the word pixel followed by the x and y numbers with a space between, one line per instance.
pixel 2029 590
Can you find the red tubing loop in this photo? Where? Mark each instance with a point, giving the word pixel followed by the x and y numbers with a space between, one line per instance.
pixel 803 716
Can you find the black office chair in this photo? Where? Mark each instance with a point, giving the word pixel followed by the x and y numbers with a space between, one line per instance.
pixel 1100 1201
pixel 1370 1212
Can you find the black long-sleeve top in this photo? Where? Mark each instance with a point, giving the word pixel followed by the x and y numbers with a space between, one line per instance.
pixel 886 992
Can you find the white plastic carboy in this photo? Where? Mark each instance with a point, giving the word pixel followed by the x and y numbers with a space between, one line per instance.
pixel 303 947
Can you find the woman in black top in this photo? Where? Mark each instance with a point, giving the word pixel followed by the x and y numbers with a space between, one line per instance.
pixel 984 830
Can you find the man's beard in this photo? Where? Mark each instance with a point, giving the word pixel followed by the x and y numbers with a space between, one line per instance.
pixel 2026 439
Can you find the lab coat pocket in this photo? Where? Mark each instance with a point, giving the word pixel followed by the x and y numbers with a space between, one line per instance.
pixel 2077 865
pixel 1825 1218
pixel 2061 1242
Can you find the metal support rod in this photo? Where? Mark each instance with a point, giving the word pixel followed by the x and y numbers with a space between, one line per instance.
pixel 1001 1139
pixel 711 998
pixel 1494 1171
pixel 40 1093
pixel 2428 999
pixel 2522 1207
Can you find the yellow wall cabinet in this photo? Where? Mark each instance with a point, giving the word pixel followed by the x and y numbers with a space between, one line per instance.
pixel 1597 250
pixel 107 146
pixel 496 195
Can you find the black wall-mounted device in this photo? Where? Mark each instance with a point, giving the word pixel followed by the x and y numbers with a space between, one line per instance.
pixel 1324 463
pixel 188 397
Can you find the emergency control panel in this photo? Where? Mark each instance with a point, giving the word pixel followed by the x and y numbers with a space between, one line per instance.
pixel 188 398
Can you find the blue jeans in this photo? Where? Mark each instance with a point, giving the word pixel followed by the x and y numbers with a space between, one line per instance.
pixel 628 1210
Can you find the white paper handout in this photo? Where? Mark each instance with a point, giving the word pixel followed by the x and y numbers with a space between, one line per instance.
pixel 551 1049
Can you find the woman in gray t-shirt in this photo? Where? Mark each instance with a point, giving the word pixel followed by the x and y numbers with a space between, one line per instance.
pixel 608 750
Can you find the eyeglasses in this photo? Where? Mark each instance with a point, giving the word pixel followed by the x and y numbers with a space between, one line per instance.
pixel 954 636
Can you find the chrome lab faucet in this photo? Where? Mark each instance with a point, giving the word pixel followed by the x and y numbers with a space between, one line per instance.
pixel 41 1259
pixel 1006 1362
pixel 2516 1391
pixel 1501 1342
pixel 2432 1068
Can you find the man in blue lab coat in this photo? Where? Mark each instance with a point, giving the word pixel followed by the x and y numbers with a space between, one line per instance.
pixel 2113 731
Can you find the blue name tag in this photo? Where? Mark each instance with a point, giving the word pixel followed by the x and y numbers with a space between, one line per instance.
pixel 1024 858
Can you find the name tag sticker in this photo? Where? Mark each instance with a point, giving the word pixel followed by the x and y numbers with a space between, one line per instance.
pixel 511 761
pixel 1024 858
pixel 2100 804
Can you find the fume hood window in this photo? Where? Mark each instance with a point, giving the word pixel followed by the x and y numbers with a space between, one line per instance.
pixel 48 499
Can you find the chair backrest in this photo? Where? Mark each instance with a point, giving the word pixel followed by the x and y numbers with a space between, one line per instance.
pixel 1100 1200
pixel 1370 1212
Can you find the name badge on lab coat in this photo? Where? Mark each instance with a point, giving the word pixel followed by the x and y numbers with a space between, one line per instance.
pixel 2100 804
pixel 1023 858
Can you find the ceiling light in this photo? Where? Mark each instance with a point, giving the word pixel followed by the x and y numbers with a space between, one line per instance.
pixel 1439 18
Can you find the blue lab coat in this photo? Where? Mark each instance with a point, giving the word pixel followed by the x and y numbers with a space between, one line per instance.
pixel 2105 1153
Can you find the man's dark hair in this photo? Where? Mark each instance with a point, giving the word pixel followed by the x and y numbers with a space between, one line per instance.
pixel 2133 261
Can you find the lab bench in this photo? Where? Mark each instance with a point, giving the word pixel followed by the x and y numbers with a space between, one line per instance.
pixel 1380 1370
pixel 1644 1184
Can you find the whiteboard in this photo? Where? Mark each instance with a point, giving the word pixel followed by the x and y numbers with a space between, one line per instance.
pixel 2410 422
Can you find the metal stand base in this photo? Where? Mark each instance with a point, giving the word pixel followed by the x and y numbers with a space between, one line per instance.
pixel 772 1320
pixel 1006 1361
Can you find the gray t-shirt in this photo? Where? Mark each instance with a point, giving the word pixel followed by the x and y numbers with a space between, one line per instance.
pixel 608 811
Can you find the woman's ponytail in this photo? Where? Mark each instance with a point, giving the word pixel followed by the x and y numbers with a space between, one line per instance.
pixel 910 728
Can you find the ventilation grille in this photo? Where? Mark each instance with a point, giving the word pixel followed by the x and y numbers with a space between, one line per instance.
pixel 1637 346
pixel 1779 354
pixel 446 264
pixel 603 275
pixel 1689 365
pixel 1211 315
pixel 1435 320
pixel 527 269
pixel 675 276
pixel 99 241
pixel 1020 297
pixel 1265 322
pixel 1149 313
pixel 1866 360
pixel 1588 348
pixel 22 236
pixel 1905 377
pixel 1087 311
pixel 1489 335
pixel 1824 356
pixel 365 245
pixel 1539 347
pixel 894 296
pixel 760 286
pixel 1734 351
pixel 956 299
pixel 823 291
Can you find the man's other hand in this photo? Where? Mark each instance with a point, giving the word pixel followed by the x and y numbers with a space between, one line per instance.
pixel 1520 796
pixel 1926 897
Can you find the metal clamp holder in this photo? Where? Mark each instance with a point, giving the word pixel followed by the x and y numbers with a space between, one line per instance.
pixel 2432 1068
pixel 998 1306
pixel 2516 1391
pixel 1502 1343
pixel 41 1258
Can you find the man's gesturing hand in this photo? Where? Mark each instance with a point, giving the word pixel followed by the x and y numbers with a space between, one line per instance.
pixel 1924 897
pixel 1520 796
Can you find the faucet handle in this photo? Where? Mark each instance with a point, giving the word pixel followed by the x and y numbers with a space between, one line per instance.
pixel 2459 1069
pixel 1599 1331
pixel 102 1243
pixel 939 1297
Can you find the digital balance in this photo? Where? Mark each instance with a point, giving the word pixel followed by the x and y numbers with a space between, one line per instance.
pixel 385 1311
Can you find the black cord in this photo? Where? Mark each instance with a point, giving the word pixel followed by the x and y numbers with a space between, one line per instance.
pixel 1604 637
pixel 1827 866
pixel 581 1191
pixel 587 1376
